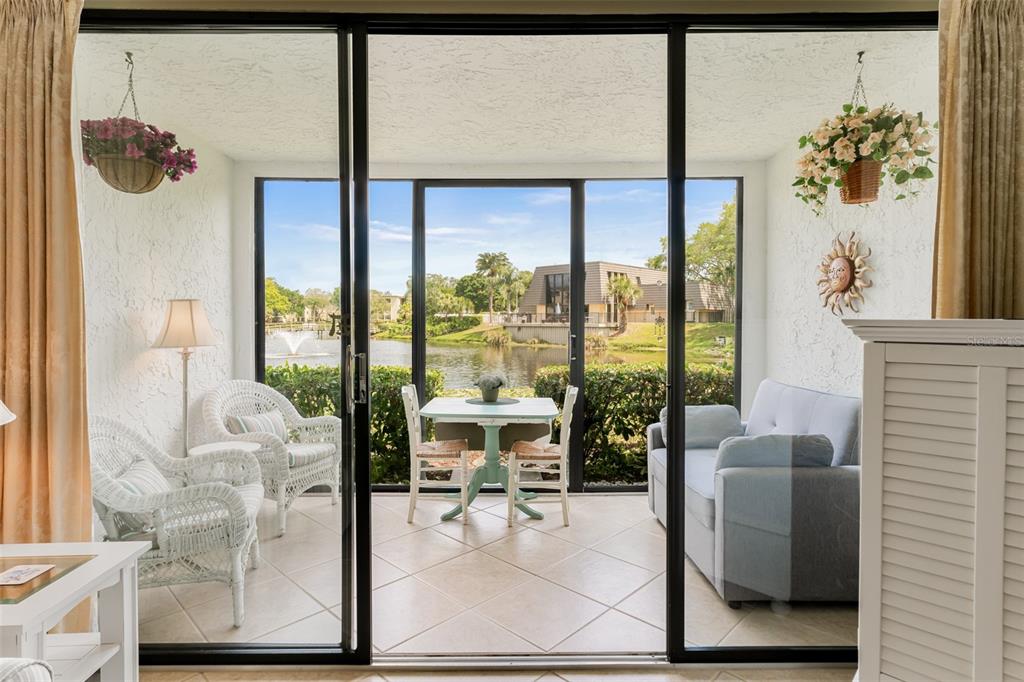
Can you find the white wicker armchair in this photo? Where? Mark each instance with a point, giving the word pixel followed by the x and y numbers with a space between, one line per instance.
pixel 202 526
pixel 283 481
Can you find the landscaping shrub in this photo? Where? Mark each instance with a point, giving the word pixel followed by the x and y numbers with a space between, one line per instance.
pixel 436 326
pixel 316 391
pixel 622 400
pixel 497 338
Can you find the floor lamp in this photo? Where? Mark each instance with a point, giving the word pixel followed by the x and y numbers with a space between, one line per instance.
pixel 185 328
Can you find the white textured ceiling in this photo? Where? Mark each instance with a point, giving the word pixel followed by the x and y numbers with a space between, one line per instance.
pixel 477 101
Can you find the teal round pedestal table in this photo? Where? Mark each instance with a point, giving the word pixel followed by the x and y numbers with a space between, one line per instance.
pixel 491 417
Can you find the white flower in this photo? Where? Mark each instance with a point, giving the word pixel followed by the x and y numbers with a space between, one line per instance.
pixel 845 150
pixel 822 135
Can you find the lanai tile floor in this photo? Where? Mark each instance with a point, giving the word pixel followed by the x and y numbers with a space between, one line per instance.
pixel 482 588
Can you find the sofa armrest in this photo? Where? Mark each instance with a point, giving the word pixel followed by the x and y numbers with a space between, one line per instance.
pixel 789 533
pixel 654 440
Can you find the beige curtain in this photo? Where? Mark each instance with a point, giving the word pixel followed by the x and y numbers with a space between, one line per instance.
pixel 44 453
pixel 979 239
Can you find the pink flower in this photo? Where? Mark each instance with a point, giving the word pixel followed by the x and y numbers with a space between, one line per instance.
pixel 133 152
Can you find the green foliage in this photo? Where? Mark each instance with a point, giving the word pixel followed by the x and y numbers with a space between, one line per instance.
pixel 660 262
pixel 280 301
pixel 436 326
pixel 711 250
pixel 621 401
pixel 498 338
pixel 316 391
pixel 625 292
pixel 389 434
pixel 473 287
pixel 493 267
pixel 595 342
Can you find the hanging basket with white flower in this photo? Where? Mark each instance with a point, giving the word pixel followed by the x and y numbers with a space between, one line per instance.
pixel 854 150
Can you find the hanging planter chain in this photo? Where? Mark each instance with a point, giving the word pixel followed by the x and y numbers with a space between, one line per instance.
pixel 861 180
pixel 130 65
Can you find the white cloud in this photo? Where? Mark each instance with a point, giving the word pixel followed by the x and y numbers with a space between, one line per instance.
pixel 547 198
pixel 509 218
pixel 390 232
pixel 448 231
pixel 314 231
pixel 629 195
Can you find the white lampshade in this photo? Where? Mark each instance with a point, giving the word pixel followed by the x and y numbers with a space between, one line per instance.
pixel 185 326
pixel 6 416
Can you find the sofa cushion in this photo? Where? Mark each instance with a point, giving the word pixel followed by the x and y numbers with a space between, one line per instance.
pixel 779 408
pixel 775 450
pixel 709 425
pixel 700 484
pixel 141 478
pixel 700 480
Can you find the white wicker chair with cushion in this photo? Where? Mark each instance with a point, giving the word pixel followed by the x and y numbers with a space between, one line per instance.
pixel 550 458
pixel 199 513
pixel 306 454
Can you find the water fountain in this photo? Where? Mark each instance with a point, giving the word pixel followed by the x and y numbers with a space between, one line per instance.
pixel 294 339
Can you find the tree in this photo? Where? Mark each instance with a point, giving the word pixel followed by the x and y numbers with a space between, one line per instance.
pixel 441 297
pixel 380 306
pixel 711 250
pixel 474 288
pixel 492 265
pixel 318 301
pixel 514 284
pixel 275 302
pixel 625 292
pixel 660 262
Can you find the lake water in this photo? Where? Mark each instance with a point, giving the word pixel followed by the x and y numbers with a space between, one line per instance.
pixel 461 365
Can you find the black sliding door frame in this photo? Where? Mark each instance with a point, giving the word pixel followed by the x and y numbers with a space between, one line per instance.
pixel 676 27
pixel 577 275
pixel 355 645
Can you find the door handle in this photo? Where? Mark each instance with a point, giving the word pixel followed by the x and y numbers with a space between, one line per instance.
pixel 362 385
pixel 572 347
pixel 350 401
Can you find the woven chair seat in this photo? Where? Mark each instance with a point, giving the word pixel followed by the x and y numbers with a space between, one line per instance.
pixel 525 450
pixel 477 458
pixel 442 448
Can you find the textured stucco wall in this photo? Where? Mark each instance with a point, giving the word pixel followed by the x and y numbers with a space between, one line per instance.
pixel 804 343
pixel 138 251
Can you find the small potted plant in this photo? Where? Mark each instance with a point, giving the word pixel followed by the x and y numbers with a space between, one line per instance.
pixel 489 385
pixel 854 150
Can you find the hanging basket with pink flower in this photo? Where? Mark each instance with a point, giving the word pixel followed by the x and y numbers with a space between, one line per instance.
pixel 130 155
pixel 854 151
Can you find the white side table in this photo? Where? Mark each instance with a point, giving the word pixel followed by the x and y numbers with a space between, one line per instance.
pixel 83 568
pixel 242 445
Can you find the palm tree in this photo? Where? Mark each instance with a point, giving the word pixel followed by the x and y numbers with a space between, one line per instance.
pixel 492 266
pixel 624 292
pixel 513 285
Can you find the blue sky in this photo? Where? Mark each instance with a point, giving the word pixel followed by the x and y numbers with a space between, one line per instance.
pixel 624 221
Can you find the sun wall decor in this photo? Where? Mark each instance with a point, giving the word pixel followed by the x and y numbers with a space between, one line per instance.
pixel 843 273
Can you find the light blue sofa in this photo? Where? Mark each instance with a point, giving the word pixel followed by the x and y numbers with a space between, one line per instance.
pixel 761 526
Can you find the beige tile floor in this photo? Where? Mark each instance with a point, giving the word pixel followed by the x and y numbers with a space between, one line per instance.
pixel 597 585
pixel 619 675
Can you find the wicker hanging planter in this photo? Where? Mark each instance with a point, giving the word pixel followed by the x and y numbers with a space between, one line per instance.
pixel 130 155
pixel 125 174
pixel 861 181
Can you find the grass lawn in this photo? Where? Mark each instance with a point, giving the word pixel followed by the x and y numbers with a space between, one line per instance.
pixel 701 341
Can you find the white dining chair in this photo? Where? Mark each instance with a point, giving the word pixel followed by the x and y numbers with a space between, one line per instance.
pixel 551 459
pixel 431 456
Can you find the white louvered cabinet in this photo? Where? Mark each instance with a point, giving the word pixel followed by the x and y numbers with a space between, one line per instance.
pixel 942 500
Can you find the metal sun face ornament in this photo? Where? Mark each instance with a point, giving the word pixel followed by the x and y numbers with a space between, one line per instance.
pixel 842 275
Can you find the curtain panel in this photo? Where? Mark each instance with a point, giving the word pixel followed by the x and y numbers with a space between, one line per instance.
pixel 44 454
pixel 979 239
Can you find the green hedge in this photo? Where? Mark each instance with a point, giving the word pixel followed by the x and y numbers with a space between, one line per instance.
pixel 317 391
pixel 436 326
pixel 622 400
